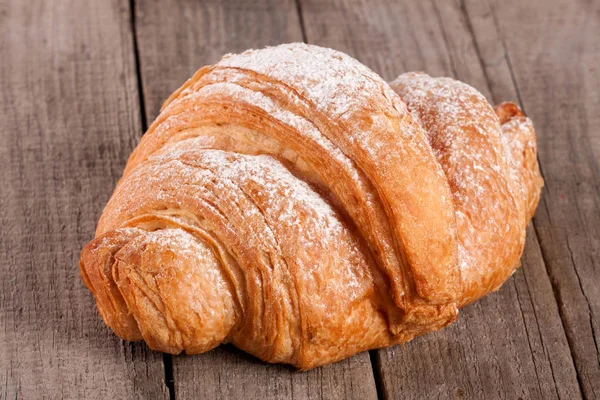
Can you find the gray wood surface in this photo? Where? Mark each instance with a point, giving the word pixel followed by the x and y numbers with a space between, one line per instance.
pixel 554 55
pixel 70 118
pixel 73 111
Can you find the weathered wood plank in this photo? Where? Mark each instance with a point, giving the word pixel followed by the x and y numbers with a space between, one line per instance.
pixel 510 344
pixel 228 373
pixel 488 46
pixel 69 116
pixel 175 38
pixel 554 56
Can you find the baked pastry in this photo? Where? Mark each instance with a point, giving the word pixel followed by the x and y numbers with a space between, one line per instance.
pixel 289 201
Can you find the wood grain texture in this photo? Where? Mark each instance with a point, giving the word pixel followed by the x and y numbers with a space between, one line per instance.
pixel 175 38
pixel 554 56
pixel 228 373
pixel 510 344
pixel 69 116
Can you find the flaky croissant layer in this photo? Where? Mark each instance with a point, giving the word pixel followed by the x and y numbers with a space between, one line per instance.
pixel 291 202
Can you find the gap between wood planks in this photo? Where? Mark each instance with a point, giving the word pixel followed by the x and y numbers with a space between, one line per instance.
pixel 167 358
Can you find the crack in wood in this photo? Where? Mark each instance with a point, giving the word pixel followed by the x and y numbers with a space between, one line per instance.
pixel 138 69
pixel 167 359
pixel 537 323
pixel 506 56
pixel 445 38
pixel 463 9
pixel 557 296
pixel 587 300
pixel 377 374
pixel 535 367
pixel 301 20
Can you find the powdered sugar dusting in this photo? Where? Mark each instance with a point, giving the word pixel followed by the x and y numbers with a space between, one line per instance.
pixel 378 132
pixel 466 137
pixel 184 243
pixel 333 81
pixel 228 82
pixel 293 213
pixel 283 192
pixel 298 122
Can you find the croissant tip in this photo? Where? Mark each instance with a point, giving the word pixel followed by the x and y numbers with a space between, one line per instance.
pixel 507 111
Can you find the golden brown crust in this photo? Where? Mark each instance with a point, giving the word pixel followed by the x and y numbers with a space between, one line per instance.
pixel 331 110
pixel 286 200
pixel 488 192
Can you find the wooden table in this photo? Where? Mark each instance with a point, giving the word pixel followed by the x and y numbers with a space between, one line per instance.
pixel 80 81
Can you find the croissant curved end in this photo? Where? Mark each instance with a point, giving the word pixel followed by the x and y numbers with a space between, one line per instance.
pixel 96 263
pixel 131 272
pixel 488 158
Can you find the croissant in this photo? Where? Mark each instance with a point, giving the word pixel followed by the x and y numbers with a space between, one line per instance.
pixel 291 202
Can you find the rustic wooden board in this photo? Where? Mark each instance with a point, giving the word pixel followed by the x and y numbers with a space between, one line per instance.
pixel 70 116
pixel 510 344
pixel 554 55
pixel 73 112
pixel 175 38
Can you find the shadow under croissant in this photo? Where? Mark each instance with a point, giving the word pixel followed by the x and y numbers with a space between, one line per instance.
pixel 230 356
pixel 239 373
